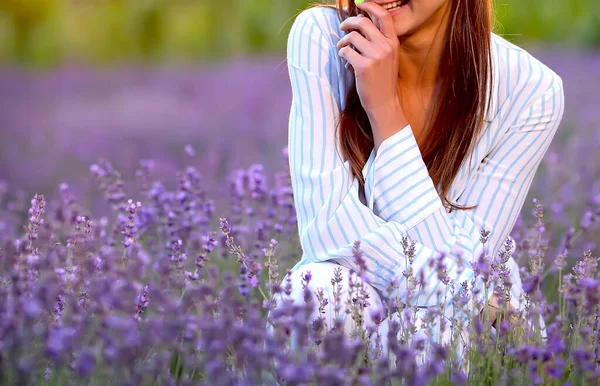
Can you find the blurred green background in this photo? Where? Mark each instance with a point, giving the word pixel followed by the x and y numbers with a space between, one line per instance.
pixel 50 32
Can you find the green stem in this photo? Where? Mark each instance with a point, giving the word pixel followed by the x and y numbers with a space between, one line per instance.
pixel 147 356
pixel 560 297
pixel 123 258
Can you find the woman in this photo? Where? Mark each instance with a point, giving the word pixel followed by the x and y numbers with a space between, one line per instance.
pixel 417 121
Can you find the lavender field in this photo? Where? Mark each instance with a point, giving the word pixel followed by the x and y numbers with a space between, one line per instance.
pixel 147 220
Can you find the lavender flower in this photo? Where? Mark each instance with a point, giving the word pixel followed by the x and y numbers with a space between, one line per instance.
pixel 115 296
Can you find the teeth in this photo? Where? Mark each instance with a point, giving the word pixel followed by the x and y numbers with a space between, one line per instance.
pixel 393 5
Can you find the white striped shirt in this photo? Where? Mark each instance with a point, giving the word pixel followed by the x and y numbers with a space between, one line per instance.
pixel 527 107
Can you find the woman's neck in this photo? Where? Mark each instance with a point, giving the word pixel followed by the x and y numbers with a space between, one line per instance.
pixel 420 53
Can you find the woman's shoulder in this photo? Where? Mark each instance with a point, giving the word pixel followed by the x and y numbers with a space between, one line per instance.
pixel 312 44
pixel 324 18
pixel 520 73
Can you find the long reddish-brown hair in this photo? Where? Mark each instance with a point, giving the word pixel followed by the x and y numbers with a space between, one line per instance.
pixel 458 111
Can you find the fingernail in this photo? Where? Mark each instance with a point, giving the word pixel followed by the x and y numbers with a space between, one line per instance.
pixel 358 1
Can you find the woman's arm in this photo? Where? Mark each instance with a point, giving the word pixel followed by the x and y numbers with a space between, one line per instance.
pixel 399 189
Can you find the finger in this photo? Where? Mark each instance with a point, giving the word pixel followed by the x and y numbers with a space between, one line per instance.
pixel 364 25
pixel 358 41
pixel 384 18
pixel 349 67
pixel 353 57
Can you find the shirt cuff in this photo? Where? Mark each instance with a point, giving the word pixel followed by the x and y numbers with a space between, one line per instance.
pixel 399 184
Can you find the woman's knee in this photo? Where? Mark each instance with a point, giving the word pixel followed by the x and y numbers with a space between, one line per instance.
pixel 334 279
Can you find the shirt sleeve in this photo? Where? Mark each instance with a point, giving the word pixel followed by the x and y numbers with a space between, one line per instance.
pixel 399 189
pixel 331 216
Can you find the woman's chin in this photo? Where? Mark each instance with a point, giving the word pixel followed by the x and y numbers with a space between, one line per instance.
pixel 403 32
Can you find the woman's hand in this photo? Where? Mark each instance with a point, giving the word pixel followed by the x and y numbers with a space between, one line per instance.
pixel 376 62
pixel 495 311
